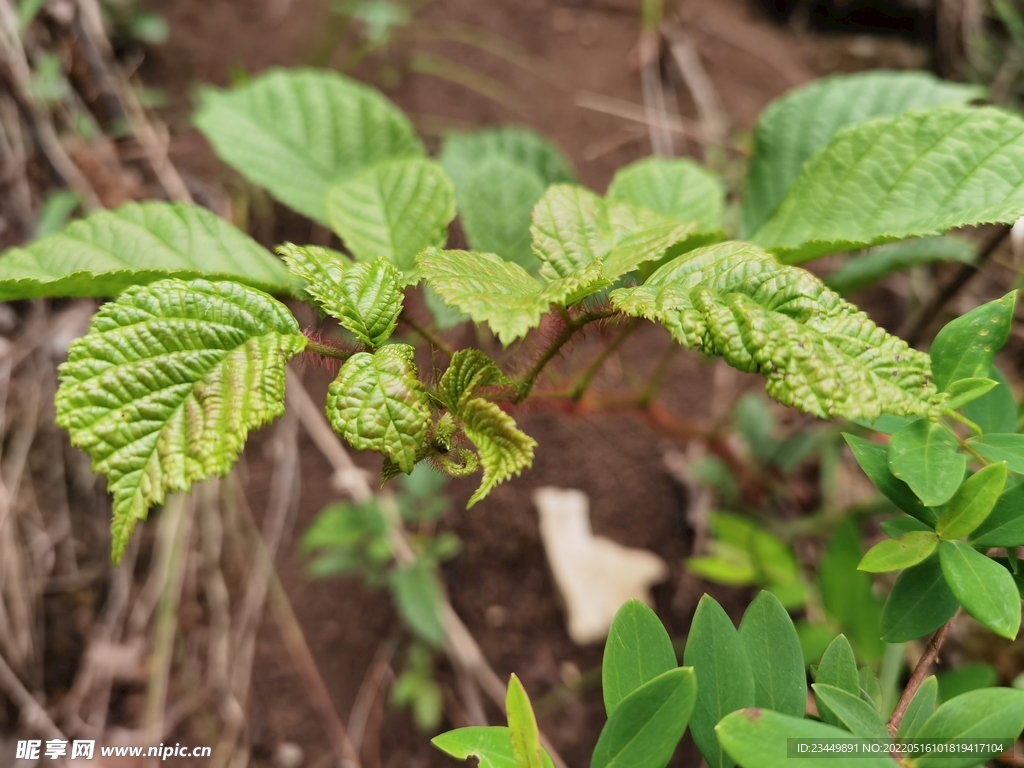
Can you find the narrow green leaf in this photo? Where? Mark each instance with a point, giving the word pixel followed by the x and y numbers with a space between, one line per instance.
pixel 724 678
pixel 895 554
pixel 966 347
pixel 637 650
pixel 897 526
pixel 377 404
pixel 873 459
pixel 991 714
pixel 108 251
pixel 852 712
pixel 164 388
pixel 418 598
pixel 1004 527
pixel 504 450
pixel 924 455
pixel 394 209
pixel 846 592
pixel 1003 448
pixel 366 298
pixel 838 668
pixel 920 602
pixel 996 411
pixel 297 131
pixel 860 271
pixel 952 162
pixel 522 726
pixel 492 747
pixel 972 502
pixel 469 371
pixel 984 588
pixel 772 647
pixel 964 391
pixel 870 688
pixel 646 726
pixel 758 738
pixel 675 187
pixel 920 709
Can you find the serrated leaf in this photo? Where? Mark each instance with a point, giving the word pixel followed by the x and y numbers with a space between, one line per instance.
pixel 924 455
pixel 895 554
pixel 297 131
pixel 469 371
pixel 920 602
pixel 164 388
pixel 794 127
pixel 819 353
pixel 920 709
pixel 855 714
pixel 637 650
pixel 365 298
pixel 109 251
pixel 377 404
pixel 675 187
pixel 491 746
pixel 772 647
pixel 394 209
pixel 462 151
pixel 504 450
pixel 874 460
pixel 1004 527
pixel 522 726
pixel 972 502
pixel 990 715
pixel 957 166
pixel 966 347
pixel 863 270
pixel 984 588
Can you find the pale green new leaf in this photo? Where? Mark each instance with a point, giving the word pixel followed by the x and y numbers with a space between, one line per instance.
pixel 394 209
pixel 675 187
pixel 469 371
pixel 164 388
pixel 297 131
pixel 819 353
pixel 365 298
pixel 504 450
pixel 491 746
pixel 108 251
pixel 794 127
pixel 522 726
pixel 377 404
pixel 916 175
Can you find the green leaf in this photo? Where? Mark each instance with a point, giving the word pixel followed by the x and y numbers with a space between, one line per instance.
pixel 966 347
pixel 855 714
pixel 874 460
pixel 108 251
pixel 492 747
pixel 164 388
pixel 1003 448
pixel 1004 527
pixel 461 152
pixel 365 298
pixel 522 726
pixel 418 598
pixel 862 270
pixel 675 187
pixel 924 455
pixel 772 647
pixel 996 411
pixel 504 450
pixel 920 709
pixel 964 391
pixel 794 127
pixel 377 404
pixel 469 371
pixel 637 650
pixel 814 640
pixel 394 209
pixel 972 502
pixel 838 668
pixel 846 592
pixel 757 738
pixel 870 688
pixel 298 131
pixel 969 677
pixel 724 678
pixel 646 726
pixel 896 554
pixel 819 353
pixel 920 602
pixel 984 588
pixel 991 714
pixel 953 163
pixel 897 526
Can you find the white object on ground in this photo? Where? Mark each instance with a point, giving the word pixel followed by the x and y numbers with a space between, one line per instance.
pixel 594 574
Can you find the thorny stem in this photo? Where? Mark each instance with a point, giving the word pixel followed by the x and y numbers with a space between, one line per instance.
pixel 326 350
pixel 431 337
pixel 920 673
pixel 582 384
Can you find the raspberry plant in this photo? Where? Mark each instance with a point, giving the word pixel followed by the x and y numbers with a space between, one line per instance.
pixel 190 355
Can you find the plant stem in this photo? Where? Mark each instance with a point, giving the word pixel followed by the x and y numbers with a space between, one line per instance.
pixel 431 337
pixel 920 673
pixel 326 350
pixel 572 325
pixel 582 384
pixel 962 419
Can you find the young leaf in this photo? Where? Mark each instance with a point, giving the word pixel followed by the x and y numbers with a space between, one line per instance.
pixel 846 592
pixel 920 709
pixel 972 502
pixel 818 353
pixel 1005 448
pixel 462 151
pixel 504 450
pixel 873 459
pixel 164 388
pixel 469 371
pixel 724 678
pixel 952 162
pixel 418 598
pixel 366 298
pixel 638 649
pixel 855 714
pixel 984 588
pixel 862 270
pixel 924 455
pixel 676 187
pixel 492 747
pixel 966 347
pixel 377 404
pixel 794 127
pixel 997 410
pixel 772 647
pixel 897 526
pixel 990 714
pixel 838 668
pixel 920 602
pixel 297 131
pixel 522 726
pixel 964 391
pixel 394 209
pixel 108 251
pixel 757 738
pixel 1004 527
pixel 896 554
